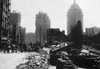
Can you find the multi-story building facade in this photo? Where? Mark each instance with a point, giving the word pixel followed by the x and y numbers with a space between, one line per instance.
pixel 29 38
pixel 54 34
pixel 42 24
pixel 75 25
pixel 4 21
pixel 73 16
pixel 22 33
pixel 14 26
pixel 92 31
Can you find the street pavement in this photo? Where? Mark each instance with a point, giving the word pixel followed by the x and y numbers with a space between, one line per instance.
pixel 10 61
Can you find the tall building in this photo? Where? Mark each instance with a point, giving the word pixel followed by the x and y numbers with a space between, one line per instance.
pixel 29 38
pixel 42 24
pixel 22 33
pixel 14 21
pixel 4 21
pixel 73 16
pixel 92 31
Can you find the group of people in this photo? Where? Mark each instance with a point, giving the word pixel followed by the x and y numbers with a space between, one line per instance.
pixel 11 48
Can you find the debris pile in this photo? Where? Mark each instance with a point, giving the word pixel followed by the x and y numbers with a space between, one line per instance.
pixel 37 61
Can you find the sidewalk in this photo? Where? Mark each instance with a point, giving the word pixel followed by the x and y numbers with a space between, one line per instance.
pixel 10 61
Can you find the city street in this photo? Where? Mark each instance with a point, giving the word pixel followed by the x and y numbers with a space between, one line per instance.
pixel 49 34
pixel 11 60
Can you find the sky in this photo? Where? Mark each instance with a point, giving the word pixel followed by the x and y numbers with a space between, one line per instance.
pixel 56 11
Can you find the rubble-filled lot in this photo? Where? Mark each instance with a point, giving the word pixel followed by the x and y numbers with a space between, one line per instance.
pixel 35 61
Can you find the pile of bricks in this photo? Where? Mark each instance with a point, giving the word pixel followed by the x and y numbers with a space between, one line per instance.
pixel 39 61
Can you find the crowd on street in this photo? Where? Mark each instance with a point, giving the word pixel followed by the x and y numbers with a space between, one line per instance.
pixel 14 48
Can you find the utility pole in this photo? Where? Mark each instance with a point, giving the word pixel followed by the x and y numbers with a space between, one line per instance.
pixel 1 10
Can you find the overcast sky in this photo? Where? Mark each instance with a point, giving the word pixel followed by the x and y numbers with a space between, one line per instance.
pixel 57 11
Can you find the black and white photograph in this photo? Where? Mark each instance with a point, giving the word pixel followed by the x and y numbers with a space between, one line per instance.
pixel 49 34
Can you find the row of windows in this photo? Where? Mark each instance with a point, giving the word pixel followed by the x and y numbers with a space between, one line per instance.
pixel 4 17
pixel 5 10
pixel 6 3
pixel 4 25
pixel 4 21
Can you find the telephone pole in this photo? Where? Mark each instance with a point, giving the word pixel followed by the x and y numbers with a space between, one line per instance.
pixel 1 9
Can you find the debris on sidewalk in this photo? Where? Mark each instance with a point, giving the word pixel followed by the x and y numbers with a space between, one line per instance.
pixel 37 61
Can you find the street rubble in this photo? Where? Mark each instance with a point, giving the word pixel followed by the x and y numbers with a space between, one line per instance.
pixel 35 61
